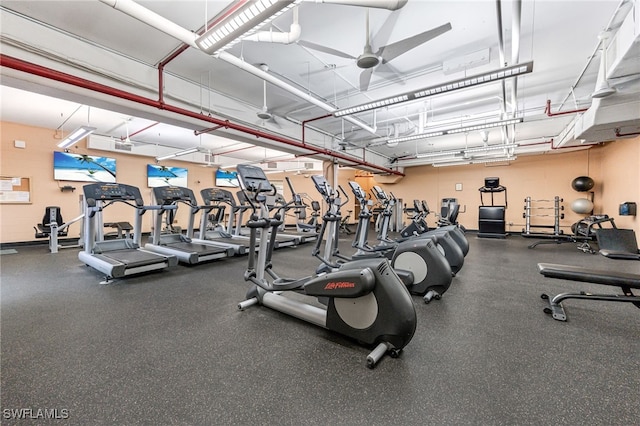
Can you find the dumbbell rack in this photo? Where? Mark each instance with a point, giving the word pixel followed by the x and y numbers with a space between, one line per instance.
pixel 531 210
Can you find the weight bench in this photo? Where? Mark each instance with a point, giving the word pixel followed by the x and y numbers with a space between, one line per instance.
pixel 618 243
pixel 575 273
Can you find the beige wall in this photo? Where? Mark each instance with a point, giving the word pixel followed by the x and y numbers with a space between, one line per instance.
pixel 613 166
pixel 36 162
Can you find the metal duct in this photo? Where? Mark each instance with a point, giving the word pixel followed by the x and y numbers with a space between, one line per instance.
pixel 158 22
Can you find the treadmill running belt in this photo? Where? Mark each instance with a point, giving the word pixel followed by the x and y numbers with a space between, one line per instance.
pixel 133 257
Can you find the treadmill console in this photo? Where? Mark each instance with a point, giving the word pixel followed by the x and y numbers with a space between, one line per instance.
pixel 170 194
pixel 111 192
pixel 210 195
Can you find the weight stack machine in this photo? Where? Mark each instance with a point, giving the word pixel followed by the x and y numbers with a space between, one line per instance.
pixel 491 218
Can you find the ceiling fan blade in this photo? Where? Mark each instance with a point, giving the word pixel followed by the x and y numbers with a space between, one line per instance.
pixel 325 49
pixel 365 79
pixel 389 72
pixel 387 53
pixel 381 38
pixel 274 122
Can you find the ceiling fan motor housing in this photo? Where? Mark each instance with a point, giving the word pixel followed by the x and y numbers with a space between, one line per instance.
pixel 367 60
pixel 264 115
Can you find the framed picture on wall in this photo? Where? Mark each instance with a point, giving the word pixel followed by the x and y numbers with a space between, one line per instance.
pixel 227 179
pixel 83 168
pixel 165 175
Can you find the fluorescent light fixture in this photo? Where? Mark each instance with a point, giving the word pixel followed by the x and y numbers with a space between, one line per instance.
pixel 294 169
pixel 414 137
pixel 178 154
pixel 451 163
pixel 462 162
pixel 239 20
pixel 484 126
pixel 493 160
pixel 463 83
pixel 76 135
pixel 457 130
pixel 437 154
pixel 490 148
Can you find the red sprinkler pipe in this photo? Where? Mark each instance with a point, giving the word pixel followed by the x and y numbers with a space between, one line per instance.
pixel 38 70
pixel 210 129
pixel 304 124
pixel 137 132
pixel 553 114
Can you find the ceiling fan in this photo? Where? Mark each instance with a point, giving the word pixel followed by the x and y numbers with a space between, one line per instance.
pixel 264 114
pixel 124 143
pixel 368 59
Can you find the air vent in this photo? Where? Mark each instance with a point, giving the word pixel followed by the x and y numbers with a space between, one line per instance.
pixel 308 166
pixel 123 146
pixel 272 165
pixel 382 267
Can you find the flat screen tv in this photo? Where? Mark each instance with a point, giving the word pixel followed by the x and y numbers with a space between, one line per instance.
pixel 83 168
pixel 227 179
pixel 165 175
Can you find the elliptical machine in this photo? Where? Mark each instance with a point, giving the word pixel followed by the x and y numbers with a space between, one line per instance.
pixel 448 242
pixel 419 227
pixel 424 270
pixel 364 300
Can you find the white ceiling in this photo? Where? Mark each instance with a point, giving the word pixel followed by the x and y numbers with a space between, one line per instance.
pixel 95 42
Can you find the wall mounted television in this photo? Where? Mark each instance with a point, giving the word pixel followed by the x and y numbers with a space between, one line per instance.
pixel 83 168
pixel 164 175
pixel 227 179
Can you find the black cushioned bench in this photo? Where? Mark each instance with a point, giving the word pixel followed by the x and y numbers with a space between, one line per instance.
pixel 625 281
pixel 618 243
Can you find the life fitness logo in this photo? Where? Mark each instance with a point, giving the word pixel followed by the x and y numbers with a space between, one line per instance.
pixel 338 285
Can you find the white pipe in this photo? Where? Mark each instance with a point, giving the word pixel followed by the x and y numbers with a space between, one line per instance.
pixel 158 22
pixel 229 58
pixel 278 37
pixel 150 18
pixel 379 4
pixel 515 51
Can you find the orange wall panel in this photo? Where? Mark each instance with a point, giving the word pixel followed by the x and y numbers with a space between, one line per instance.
pixel 614 167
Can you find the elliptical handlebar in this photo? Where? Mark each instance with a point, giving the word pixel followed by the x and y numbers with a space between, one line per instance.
pixel 346 196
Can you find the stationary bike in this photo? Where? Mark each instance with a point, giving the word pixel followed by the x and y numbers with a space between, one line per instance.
pixel 363 300
pixel 420 265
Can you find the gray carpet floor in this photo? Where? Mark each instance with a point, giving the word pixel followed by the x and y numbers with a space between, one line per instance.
pixel 171 348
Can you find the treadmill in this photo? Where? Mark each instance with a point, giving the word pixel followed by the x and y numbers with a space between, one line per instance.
pixel 216 199
pixel 120 257
pixel 281 239
pixel 182 246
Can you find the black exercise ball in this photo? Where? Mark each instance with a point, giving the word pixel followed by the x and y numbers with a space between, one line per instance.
pixel 582 183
